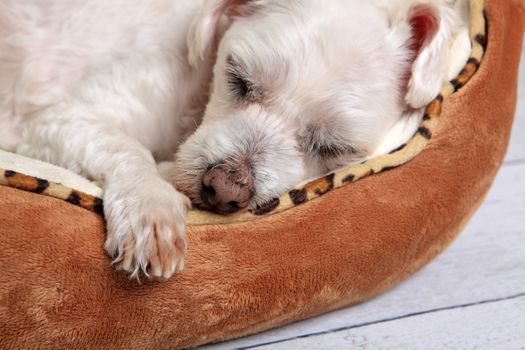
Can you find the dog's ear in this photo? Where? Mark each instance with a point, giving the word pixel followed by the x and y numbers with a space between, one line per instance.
pixel 204 27
pixel 432 28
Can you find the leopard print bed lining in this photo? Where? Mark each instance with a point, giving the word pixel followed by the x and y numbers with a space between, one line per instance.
pixel 307 191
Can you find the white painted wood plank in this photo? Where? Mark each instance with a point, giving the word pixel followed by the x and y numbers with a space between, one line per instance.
pixel 517 144
pixel 498 325
pixel 486 262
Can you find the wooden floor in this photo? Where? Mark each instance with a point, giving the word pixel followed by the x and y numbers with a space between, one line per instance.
pixel 471 297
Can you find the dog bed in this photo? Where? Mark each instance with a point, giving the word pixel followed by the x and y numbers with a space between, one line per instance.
pixel 330 243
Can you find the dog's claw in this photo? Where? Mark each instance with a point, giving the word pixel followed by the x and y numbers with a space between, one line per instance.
pixel 128 255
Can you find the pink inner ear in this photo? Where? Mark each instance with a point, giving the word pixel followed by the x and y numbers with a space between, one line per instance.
pixel 232 8
pixel 225 6
pixel 425 24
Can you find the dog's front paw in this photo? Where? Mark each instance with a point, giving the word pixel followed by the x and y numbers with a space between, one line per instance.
pixel 146 227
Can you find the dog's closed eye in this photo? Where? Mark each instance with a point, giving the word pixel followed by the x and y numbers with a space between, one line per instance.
pixel 328 150
pixel 321 142
pixel 240 84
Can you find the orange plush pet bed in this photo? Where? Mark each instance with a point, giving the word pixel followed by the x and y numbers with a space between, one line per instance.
pixel 327 244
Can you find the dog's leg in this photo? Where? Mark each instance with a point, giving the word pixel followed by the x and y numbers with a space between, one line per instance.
pixel 144 213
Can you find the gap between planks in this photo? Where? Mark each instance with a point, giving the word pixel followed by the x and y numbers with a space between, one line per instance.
pixel 497 325
pixel 372 323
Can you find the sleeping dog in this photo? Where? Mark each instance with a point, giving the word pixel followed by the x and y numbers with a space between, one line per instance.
pixel 252 97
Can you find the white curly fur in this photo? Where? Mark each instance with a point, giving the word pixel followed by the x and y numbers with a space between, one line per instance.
pixel 110 88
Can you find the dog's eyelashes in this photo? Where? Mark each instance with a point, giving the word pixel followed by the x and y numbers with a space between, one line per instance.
pixel 239 86
pixel 327 151
pixel 239 83
pixel 321 143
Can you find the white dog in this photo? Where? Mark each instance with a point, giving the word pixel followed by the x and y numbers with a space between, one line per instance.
pixel 282 91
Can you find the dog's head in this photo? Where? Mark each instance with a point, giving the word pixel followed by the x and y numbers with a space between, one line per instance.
pixel 303 87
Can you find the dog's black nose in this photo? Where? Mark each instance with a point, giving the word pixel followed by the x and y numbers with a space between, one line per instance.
pixel 227 189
